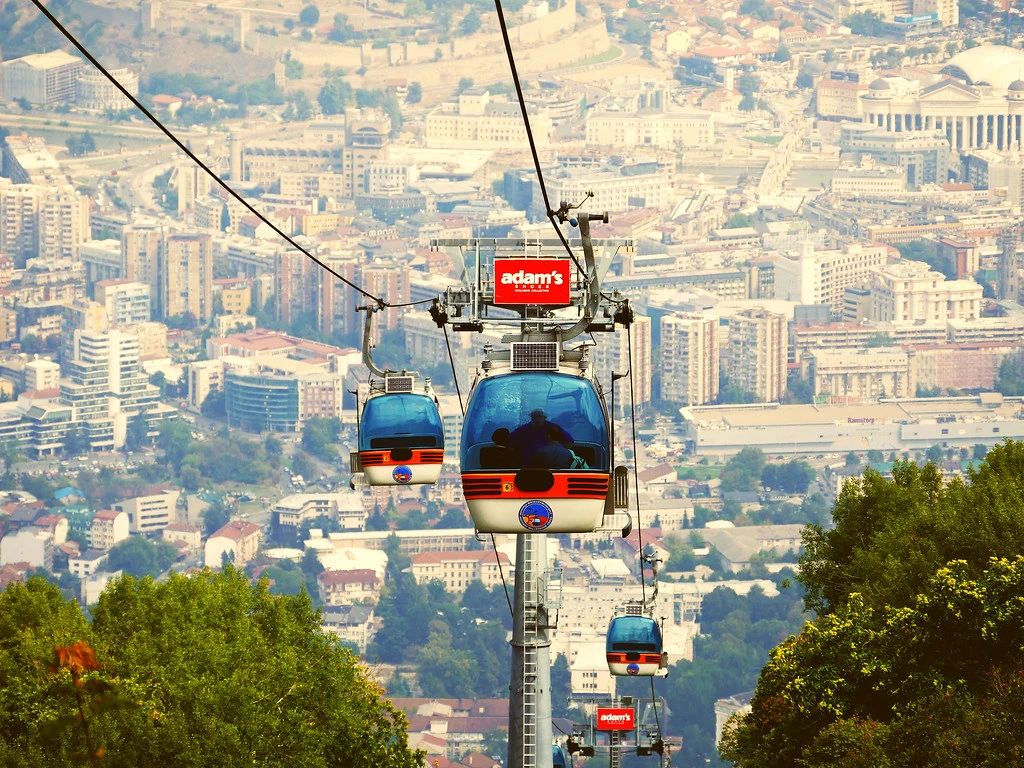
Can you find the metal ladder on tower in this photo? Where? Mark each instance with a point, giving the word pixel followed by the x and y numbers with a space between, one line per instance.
pixel 530 613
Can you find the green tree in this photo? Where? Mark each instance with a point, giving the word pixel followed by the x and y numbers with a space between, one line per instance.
pixel 334 95
pixel 319 436
pixel 217 661
pixel 215 517
pixel 309 15
pixel 743 471
pixel 414 94
pixel 138 556
pixel 471 22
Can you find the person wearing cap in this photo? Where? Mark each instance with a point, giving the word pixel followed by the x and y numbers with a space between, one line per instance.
pixel 530 437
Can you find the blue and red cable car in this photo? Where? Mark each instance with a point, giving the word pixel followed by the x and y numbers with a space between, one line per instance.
pixel 535 443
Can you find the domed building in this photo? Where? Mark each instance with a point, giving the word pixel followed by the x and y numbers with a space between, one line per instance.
pixel 979 102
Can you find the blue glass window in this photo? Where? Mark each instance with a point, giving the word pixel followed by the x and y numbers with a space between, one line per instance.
pixel 503 431
pixel 400 421
pixel 633 633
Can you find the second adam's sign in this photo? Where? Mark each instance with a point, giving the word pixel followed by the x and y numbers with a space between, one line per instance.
pixel 614 719
pixel 531 281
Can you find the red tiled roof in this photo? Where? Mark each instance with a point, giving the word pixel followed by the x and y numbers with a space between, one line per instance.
pixel 358 576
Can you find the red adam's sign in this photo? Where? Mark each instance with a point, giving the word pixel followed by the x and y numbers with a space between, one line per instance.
pixel 614 719
pixel 531 281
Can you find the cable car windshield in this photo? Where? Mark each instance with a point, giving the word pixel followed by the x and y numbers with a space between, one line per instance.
pixel 633 633
pixel 400 420
pixel 535 419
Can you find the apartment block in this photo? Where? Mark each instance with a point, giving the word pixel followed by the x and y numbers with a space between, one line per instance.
pixel 689 359
pixel 457 569
pixel 185 276
pixel 147 514
pixel 855 376
pixel 109 527
pixel 758 353
pixel 822 277
pixel 127 302
pixel 910 292
pixel 612 354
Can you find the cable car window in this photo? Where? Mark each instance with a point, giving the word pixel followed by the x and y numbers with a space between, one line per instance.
pixel 634 633
pixel 524 419
pixel 400 421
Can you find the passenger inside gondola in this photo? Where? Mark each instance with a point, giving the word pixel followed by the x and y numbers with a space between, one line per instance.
pixel 554 454
pixel 532 436
pixel 499 455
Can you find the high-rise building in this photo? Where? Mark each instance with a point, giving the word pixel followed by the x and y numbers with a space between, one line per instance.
pixel 126 301
pixel 366 143
pixel 822 277
pixel 42 78
pixel 63 223
pixel 186 276
pixel 140 249
pixel 295 285
pixel 104 383
pixel 19 221
pixel 612 354
pixel 758 351
pixel 80 315
pixel 689 358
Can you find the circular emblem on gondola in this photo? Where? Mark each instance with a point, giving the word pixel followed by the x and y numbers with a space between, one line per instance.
pixel 632 669
pixel 402 474
pixel 535 515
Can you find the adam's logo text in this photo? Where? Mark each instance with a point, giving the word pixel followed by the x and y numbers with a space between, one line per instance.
pixel 522 277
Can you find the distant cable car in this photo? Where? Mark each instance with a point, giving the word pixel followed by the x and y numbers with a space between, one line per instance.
pixel 633 646
pixel 535 443
pixel 559 757
pixel 401 437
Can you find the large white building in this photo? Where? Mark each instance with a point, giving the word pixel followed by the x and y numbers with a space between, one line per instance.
pixel 95 91
pixel 979 104
pixel 689 358
pixel 822 277
pixel 42 78
pixel 910 292
pixel 147 514
pixel 478 121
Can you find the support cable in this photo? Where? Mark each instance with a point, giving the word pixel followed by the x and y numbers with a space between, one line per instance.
pixel 381 303
pixel 551 214
pixel 462 408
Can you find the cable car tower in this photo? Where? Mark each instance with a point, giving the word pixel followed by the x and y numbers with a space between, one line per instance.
pixel 519 479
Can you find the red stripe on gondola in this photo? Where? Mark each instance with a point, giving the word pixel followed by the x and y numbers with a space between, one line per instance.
pixel 568 485
pixel 383 458
pixel 645 658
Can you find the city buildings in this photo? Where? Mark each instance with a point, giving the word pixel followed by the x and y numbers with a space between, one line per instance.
pixel 236 542
pixel 689 359
pixel 758 353
pixel 980 104
pixel 42 78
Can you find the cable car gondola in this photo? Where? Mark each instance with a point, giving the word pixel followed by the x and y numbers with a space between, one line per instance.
pixel 401 437
pixel 633 646
pixel 559 757
pixel 535 443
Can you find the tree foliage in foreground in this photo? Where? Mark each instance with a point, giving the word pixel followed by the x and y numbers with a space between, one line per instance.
pixel 207 670
pixel 917 653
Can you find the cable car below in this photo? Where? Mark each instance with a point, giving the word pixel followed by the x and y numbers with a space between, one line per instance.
pixel 401 437
pixel 535 443
pixel 633 646
pixel 559 757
